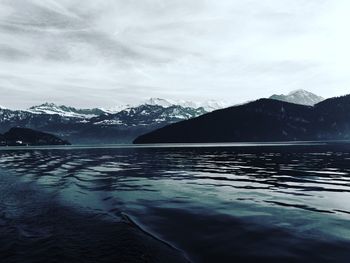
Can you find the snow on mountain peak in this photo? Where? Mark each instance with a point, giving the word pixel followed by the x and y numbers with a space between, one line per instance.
pixel 299 96
pixel 208 106
pixel 65 111
pixel 159 102
pixel 212 105
pixel 297 91
pixel 71 112
pixel 116 109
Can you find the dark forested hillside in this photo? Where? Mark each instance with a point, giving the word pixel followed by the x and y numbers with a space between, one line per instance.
pixel 24 136
pixel 262 120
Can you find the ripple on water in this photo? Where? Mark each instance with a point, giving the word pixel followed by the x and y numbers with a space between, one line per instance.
pixel 211 203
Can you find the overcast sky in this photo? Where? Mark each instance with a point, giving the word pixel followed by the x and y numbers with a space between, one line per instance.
pixel 109 52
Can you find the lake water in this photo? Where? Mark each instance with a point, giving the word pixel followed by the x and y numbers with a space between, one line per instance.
pixel 223 203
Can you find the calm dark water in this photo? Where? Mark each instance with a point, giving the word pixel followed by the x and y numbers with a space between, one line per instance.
pixel 217 204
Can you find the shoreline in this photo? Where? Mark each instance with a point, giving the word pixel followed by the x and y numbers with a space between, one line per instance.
pixel 175 145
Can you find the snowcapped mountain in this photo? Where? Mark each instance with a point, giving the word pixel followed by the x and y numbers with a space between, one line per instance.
pixel 208 106
pixel 159 102
pixel 152 101
pixel 147 114
pixel 64 111
pixel 116 109
pixel 302 97
pixel 212 105
pixel 120 125
pixel 7 115
pixel 263 120
pixel 71 112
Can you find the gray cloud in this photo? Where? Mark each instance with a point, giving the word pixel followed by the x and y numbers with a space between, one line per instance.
pixel 102 53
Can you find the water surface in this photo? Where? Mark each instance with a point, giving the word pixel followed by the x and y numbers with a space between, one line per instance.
pixel 233 203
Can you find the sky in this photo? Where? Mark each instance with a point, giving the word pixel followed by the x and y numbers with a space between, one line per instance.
pixel 110 52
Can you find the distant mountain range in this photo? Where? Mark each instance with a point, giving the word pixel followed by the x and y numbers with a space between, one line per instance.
pixel 261 121
pixel 98 125
pixel 301 97
pixel 208 106
pixel 121 124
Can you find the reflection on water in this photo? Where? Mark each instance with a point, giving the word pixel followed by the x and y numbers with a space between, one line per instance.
pixel 214 204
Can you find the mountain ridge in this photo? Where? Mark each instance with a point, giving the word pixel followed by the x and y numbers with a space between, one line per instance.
pixel 28 137
pixel 98 125
pixel 260 121
pixel 299 96
pixel 68 111
pixel 92 126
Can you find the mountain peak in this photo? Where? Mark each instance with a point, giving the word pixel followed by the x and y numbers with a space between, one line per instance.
pixel 208 106
pixel 49 104
pixel 298 91
pixel 66 111
pixel 299 96
pixel 264 120
pixel 160 102
pixel 46 104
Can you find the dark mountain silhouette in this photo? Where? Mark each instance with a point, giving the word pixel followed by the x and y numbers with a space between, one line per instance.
pixel 24 136
pixel 262 120
pixel 2 140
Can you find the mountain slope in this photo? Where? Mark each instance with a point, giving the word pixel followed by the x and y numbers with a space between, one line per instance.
pixel 149 115
pixel 24 136
pixel 262 120
pixel 94 125
pixel 302 97
pixel 71 112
